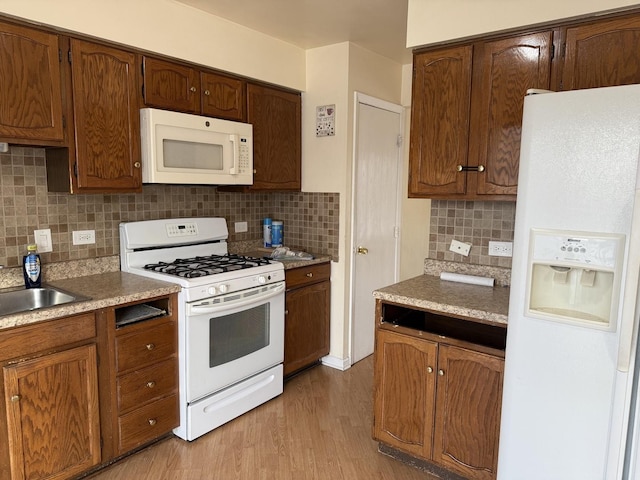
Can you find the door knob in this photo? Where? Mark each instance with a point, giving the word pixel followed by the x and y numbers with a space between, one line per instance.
pixel 362 250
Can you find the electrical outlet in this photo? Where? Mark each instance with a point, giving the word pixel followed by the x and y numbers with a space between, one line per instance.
pixel 241 227
pixel 84 237
pixel 501 249
pixel 460 247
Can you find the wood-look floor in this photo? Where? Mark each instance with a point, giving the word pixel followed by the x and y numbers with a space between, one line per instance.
pixel 319 428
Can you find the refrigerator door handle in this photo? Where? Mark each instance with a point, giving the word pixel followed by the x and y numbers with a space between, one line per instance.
pixel 628 325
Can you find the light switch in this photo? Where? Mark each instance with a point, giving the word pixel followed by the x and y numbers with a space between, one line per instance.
pixel 43 240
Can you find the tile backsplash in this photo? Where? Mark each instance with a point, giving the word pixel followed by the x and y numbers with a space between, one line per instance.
pixel 310 219
pixel 470 222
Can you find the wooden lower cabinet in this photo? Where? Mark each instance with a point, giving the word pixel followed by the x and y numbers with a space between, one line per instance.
pixel 438 402
pixel 50 411
pixel 307 313
pixel 140 376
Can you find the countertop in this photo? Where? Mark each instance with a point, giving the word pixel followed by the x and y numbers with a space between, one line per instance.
pixel 484 304
pixel 288 264
pixel 104 290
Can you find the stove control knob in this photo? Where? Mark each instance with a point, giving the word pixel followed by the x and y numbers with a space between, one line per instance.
pixel 223 288
pixel 262 279
pixel 211 290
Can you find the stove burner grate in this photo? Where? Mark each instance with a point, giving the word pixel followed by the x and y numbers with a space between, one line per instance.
pixel 209 265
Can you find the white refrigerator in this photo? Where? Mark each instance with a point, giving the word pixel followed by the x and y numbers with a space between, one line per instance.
pixel 568 408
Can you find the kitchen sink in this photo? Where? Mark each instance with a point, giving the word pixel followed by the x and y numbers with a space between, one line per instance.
pixel 25 300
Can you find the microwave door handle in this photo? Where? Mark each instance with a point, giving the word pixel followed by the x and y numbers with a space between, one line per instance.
pixel 233 138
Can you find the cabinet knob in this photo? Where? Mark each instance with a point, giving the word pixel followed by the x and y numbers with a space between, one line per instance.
pixel 481 168
pixel 137 164
pixel 362 250
pixel 286 312
pixel 429 370
pixel 459 168
pixel 441 372
pixel 151 384
pixel 207 92
pixel 152 421
pixel 193 89
pixel 310 274
pixel 150 346
pixel 15 398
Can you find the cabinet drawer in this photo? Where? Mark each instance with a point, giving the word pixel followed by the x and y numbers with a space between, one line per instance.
pixel 148 422
pixel 145 347
pixel 147 384
pixel 307 275
pixel 45 336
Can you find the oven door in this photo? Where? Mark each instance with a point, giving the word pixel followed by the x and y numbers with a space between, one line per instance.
pixel 232 337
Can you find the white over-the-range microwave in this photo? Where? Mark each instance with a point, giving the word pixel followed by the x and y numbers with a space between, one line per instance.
pixel 189 149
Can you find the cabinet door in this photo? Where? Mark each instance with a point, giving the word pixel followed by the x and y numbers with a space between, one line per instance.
pixel 31 94
pixel 53 418
pixel 440 121
pixel 306 328
pixel 106 117
pixel 469 398
pixel 404 392
pixel 223 97
pixel 503 72
pixel 171 86
pixel 602 54
pixel 276 118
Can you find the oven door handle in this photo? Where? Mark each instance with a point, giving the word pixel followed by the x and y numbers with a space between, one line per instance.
pixel 205 308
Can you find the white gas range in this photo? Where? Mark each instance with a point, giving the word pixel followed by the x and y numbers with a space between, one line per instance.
pixel 231 316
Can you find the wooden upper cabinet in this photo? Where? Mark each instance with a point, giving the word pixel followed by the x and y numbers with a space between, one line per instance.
pixel 31 93
pixel 276 116
pixel 181 88
pixel 106 117
pixel 602 54
pixel 223 97
pixel 440 121
pixel 466 116
pixel 170 85
pixel 503 72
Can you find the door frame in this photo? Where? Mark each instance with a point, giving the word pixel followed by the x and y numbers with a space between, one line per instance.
pixel 361 98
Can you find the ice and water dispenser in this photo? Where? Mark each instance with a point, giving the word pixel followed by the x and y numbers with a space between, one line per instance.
pixel 574 277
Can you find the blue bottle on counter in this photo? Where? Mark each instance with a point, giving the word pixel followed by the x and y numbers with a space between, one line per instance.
pixel 31 268
pixel 266 232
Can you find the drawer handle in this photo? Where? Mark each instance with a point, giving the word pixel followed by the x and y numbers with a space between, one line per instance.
pixel 150 346
pixel 441 372
pixel 151 384
pixel 152 421
pixel 310 274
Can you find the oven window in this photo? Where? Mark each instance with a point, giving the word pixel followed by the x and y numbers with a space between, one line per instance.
pixel 238 334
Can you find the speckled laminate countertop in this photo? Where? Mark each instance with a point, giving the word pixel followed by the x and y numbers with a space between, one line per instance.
pixel 104 289
pixel 485 304
pixel 288 264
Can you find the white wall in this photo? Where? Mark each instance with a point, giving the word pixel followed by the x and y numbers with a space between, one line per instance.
pixel 432 21
pixel 173 29
pixel 334 74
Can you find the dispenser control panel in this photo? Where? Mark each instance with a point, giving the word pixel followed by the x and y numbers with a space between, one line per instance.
pixel 601 250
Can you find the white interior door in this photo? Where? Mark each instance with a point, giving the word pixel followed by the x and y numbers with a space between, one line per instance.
pixel 376 205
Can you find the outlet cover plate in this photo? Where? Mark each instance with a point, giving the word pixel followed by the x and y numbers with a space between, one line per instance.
pixel 500 249
pixel 43 240
pixel 84 237
pixel 460 247
pixel 241 227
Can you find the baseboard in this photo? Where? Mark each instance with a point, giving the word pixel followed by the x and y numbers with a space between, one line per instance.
pixel 336 362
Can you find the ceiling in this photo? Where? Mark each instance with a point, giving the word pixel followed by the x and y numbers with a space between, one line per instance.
pixel 377 25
